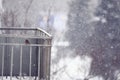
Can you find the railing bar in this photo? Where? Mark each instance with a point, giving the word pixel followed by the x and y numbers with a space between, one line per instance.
pixel 39 64
pixel 30 63
pixel 3 61
pixel 15 44
pixel 17 28
pixel 11 68
pixel 49 55
pixel 25 36
pixel 21 62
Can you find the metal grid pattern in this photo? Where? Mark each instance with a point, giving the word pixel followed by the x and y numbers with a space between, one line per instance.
pixel 25 52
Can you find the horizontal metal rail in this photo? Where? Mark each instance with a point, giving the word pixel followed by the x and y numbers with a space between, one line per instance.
pixel 16 44
pixel 25 36
pixel 44 32
pixel 26 28
pixel 17 28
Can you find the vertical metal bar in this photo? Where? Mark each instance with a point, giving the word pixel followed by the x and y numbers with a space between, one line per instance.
pixel 3 60
pixel 49 55
pixel 21 62
pixel 30 63
pixel 39 63
pixel 41 34
pixel 47 60
pixel 47 63
pixel 11 68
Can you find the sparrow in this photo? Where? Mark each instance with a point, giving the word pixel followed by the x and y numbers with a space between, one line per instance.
pixel 27 41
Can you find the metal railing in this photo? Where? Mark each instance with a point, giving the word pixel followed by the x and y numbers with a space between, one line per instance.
pixel 25 59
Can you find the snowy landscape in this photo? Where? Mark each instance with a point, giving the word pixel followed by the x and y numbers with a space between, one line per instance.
pixel 86 42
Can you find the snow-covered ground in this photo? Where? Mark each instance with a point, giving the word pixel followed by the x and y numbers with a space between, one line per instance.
pixel 71 68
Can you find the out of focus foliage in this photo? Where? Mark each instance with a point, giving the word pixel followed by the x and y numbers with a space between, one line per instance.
pixel 97 38
pixel 80 25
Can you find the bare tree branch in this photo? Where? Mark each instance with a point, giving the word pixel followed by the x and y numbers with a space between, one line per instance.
pixel 59 70
pixel 26 13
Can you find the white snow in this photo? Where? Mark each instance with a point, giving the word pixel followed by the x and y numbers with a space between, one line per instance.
pixel 75 68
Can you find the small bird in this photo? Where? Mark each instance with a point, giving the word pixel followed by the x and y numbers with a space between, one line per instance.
pixel 27 41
